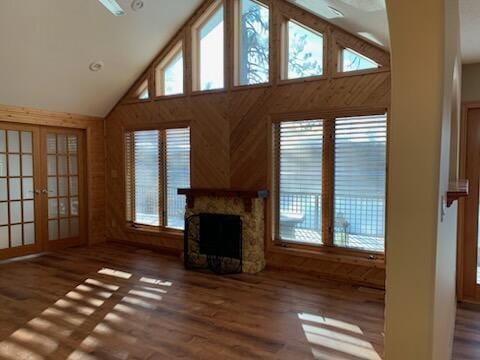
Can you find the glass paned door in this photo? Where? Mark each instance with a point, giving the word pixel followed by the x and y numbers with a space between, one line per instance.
pixel 18 194
pixel 63 186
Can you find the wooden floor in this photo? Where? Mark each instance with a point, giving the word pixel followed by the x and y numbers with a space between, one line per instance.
pixel 117 302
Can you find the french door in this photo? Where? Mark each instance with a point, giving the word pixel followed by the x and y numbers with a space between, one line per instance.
pixel 41 188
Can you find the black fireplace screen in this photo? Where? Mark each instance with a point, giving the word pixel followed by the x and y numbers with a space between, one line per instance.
pixel 214 241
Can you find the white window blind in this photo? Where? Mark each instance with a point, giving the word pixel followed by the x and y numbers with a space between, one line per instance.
pixel 146 161
pixel 177 175
pixel 360 177
pixel 300 181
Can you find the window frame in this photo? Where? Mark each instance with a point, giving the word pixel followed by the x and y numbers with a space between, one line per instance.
pixel 159 72
pixel 328 182
pixel 284 50
pixel 144 86
pixel 130 225
pixel 195 47
pixel 236 45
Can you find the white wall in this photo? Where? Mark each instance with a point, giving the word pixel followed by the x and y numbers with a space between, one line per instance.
pixel 420 284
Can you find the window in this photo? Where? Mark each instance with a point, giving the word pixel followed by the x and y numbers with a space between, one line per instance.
pixel 142 91
pixel 331 178
pixel 360 173
pixel 169 73
pixel 252 41
pixel 304 51
pixel 353 61
pixel 300 181
pixel 157 163
pixel 208 50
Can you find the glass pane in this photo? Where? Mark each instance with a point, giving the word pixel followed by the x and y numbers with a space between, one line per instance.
pixel 178 175
pixel 3 237
pixel 72 144
pixel 3 165
pixel 13 138
pixel 3 143
pixel 62 186
pixel 27 165
pixel 360 176
pixel 63 207
pixel 64 228
pixel 254 43
pixel 52 229
pixel 173 76
pixel 16 234
pixel 3 190
pixel 4 213
pixel 61 144
pixel 73 185
pixel 305 51
pixel 211 37
pixel 27 144
pixel 52 165
pixel 74 231
pixel 28 188
pixel 52 143
pixel 15 212
pixel 62 165
pixel 147 174
pixel 301 148
pixel 52 208
pixel 353 61
pixel 52 186
pixel 28 211
pixel 74 206
pixel 73 165
pixel 13 165
pixel 29 234
pixel 15 193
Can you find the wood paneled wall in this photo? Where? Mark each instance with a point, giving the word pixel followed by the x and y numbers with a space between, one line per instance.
pixel 94 128
pixel 231 129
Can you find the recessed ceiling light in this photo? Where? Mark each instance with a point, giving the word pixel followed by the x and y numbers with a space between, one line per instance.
pixel 113 7
pixel 96 66
pixel 335 12
pixel 137 5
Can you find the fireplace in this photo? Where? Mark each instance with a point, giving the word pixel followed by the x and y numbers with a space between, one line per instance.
pixel 225 229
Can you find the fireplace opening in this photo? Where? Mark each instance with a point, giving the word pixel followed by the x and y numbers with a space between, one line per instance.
pixel 214 241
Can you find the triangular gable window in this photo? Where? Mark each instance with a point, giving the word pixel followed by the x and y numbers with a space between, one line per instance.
pixel 169 73
pixel 142 92
pixel 353 61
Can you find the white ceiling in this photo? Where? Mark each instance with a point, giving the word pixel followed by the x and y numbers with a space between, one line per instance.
pixel 46 47
pixel 470 30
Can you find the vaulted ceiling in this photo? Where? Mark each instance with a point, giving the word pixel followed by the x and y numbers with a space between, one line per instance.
pixel 47 45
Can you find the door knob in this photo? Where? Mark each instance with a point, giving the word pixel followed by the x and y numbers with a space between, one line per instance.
pixel 45 191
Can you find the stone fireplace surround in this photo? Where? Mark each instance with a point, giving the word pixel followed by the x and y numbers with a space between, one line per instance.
pixel 248 204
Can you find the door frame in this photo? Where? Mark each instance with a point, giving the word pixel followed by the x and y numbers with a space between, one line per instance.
pixel 467 289
pixel 39 153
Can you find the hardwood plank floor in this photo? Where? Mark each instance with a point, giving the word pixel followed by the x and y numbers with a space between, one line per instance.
pixel 113 301
pixel 117 302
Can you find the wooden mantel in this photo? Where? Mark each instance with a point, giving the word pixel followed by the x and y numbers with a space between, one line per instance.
pixel 457 190
pixel 245 195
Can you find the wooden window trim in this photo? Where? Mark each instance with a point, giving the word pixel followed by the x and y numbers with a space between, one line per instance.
pixel 130 225
pixel 339 65
pixel 195 45
pixel 160 71
pixel 274 243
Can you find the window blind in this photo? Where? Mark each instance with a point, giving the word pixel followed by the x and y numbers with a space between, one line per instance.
pixel 300 181
pixel 177 175
pixel 146 177
pixel 360 177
